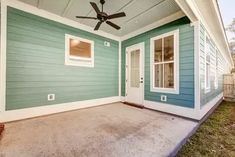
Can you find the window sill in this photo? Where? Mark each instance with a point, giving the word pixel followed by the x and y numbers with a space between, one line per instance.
pixel 165 90
pixel 79 64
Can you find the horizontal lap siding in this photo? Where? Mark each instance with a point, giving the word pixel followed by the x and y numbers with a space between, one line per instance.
pixel 35 64
pixel 186 63
pixel 206 97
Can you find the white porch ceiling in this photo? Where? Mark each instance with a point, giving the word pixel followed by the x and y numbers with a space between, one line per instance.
pixel 140 13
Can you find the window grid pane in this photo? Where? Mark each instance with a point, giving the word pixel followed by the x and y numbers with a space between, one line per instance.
pixel 158 51
pixel 158 70
pixel 169 48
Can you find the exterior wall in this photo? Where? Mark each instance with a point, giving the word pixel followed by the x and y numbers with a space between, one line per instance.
pixel 185 97
pixel 222 69
pixel 35 64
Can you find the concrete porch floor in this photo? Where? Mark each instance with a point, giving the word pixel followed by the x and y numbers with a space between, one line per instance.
pixel 113 130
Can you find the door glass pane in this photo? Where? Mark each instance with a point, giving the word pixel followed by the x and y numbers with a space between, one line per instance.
pixel 158 82
pixel 169 75
pixel 135 68
pixel 158 50
pixel 169 48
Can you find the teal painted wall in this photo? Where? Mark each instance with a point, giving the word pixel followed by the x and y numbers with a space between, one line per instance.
pixel 222 69
pixel 35 64
pixel 186 62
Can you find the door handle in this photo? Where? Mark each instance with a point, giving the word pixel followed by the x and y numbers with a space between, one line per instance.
pixel 141 81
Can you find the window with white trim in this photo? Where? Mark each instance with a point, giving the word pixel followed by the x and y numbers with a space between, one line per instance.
pixel 164 63
pixel 79 51
pixel 207 64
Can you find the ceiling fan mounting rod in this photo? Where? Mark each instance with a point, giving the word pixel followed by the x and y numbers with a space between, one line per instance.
pixel 102 2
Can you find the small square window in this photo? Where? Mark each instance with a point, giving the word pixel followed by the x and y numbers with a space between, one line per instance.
pixel 79 51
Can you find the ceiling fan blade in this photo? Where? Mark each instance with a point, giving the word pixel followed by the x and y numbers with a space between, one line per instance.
pixel 84 17
pixel 113 25
pixel 98 25
pixel 97 10
pixel 117 15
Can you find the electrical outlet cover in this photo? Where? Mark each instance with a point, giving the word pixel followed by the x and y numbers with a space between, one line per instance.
pixel 163 98
pixel 106 43
pixel 51 97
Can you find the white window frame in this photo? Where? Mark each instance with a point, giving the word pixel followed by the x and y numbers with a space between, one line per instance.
pixel 207 50
pixel 74 60
pixel 174 90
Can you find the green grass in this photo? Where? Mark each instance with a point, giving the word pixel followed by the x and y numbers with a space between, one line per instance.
pixel 215 137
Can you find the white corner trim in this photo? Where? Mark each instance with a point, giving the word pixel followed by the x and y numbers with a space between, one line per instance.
pixel 123 99
pixel 19 114
pixel 3 56
pixel 120 69
pixel 173 109
pixel 45 14
pixel 197 90
pixel 175 90
pixel 156 24
pixel 74 60
pixel 206 108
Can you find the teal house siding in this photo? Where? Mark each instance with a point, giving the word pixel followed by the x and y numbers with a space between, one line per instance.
pixel 35 64
pixel 185 97
pixel 208 96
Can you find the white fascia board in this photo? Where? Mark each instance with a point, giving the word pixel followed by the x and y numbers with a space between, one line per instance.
pixel 187 10
pixel 216 6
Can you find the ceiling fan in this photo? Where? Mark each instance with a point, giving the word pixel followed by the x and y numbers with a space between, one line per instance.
pixel 103 17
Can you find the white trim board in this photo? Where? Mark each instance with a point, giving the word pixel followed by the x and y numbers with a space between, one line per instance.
pixel 45 14
pixel 207 107
pixel 154 25
pixel 19 114
pixel 173 109
pixel 3 56
pixel 192 113
pixel 197 91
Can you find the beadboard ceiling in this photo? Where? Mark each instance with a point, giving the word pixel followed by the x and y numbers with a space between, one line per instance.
pixel 139 13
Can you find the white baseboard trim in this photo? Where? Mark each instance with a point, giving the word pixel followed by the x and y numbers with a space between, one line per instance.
pixel 207 107
pixel 183 111
pixel 168 108
pixel 123 99
pixel 12 115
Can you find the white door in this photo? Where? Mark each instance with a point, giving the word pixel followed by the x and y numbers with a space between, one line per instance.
pixel 134 74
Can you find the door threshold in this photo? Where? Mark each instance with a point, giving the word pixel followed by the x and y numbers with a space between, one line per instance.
pixel 134 105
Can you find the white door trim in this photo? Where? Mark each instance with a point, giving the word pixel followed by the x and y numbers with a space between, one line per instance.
pixel 142 50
